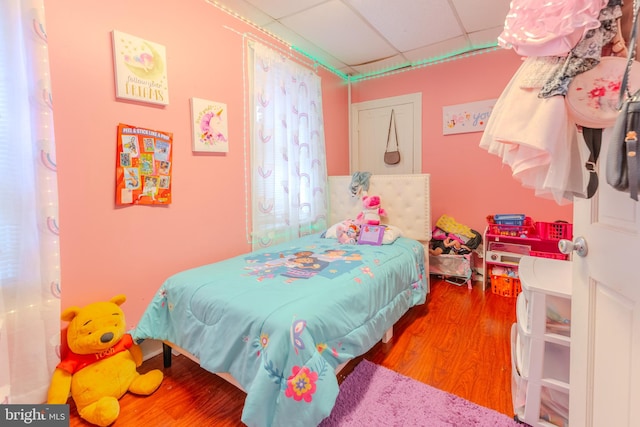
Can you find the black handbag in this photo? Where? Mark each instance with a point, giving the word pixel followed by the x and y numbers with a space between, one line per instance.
pixel 392 157
pixel 623 164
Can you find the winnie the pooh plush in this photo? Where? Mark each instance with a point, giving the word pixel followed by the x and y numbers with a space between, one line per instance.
pixel 100 366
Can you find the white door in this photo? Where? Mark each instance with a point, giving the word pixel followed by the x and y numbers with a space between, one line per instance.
pixel 605 325
pixel 369 130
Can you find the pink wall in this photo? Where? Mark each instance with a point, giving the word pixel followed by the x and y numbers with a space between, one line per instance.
pixel 107 250
pixel 466 182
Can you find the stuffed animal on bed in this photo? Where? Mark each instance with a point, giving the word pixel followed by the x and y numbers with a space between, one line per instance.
pixel 347 233
pixel 100 364
pixel 371 211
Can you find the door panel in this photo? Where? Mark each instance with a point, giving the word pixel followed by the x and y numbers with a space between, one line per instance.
pixel 605 332
pixel 370 128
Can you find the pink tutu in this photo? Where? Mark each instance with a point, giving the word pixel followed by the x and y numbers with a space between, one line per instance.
pixel 545 28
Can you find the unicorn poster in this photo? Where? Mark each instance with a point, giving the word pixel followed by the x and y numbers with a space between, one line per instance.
pixel 209 126
pixel 140 69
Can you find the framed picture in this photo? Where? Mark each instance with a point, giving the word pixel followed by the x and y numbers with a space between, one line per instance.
pixel 371 235
pixel 209 126
pixel 140 69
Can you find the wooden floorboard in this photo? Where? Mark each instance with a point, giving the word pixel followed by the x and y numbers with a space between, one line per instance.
pixel 458 341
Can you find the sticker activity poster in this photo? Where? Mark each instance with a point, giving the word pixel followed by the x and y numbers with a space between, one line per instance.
pixel 143 171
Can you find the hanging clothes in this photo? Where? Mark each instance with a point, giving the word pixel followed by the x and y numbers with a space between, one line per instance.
pixel 548 28
pixel 587 52
pixel 535 137
pixel 530 128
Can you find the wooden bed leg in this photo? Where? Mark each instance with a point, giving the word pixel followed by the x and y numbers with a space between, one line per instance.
pixel 166 355
pixel 387 335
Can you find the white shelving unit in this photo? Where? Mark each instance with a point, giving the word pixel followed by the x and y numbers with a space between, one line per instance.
pixel 541 342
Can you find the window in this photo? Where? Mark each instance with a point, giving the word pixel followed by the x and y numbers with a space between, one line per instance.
pixel 288 150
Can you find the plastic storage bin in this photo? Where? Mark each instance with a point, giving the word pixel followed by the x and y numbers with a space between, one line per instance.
pixel 509 219
pixel 554 230
pixel 505 285
pixel 551 255
pixel 523 228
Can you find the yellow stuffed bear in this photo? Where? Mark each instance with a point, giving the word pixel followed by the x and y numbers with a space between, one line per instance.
pixel 101 363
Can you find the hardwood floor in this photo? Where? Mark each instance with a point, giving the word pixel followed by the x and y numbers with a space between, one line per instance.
pixel 458 341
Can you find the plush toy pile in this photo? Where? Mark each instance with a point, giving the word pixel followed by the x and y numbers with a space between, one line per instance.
pixel 100 366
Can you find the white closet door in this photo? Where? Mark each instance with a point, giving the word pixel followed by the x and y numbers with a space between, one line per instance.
pixel 370 127
pixel 605 309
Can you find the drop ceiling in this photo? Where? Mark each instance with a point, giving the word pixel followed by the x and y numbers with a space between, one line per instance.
pixel 364 38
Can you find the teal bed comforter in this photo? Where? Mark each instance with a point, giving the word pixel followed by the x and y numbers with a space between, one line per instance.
pixel 280 320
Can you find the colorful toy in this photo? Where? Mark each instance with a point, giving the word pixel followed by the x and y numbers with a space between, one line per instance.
pixel 347 233
pixel 100 364
pixel 371 211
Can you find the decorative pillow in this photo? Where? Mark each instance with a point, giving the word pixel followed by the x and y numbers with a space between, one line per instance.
pixel 332 232
pixel 391 233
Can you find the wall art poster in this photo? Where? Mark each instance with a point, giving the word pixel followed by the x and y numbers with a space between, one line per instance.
pixel 140 69
pixel 209 126
pixel 144 167
pixel 464 118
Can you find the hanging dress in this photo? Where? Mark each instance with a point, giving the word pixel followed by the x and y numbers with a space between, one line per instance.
pixel 548 28
pixel 529 127
pixel 534 137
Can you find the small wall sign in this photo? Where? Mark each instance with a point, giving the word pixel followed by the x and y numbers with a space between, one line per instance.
pixel 469 117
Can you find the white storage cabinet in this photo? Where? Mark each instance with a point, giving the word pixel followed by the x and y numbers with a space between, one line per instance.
pixel 541 342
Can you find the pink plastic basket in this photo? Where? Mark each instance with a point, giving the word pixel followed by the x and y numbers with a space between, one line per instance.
pixel 554 230
pixel 526 229
pixel 549 255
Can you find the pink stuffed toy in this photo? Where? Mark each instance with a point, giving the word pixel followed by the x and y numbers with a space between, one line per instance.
pixel 347 233
pixel 371 211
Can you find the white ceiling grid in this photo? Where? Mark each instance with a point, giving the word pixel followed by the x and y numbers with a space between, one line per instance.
pixel 364 37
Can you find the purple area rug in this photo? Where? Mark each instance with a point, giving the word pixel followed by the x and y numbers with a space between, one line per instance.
pixel 373 395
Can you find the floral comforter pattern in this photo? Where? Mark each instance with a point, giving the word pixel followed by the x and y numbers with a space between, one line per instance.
pixel 280 320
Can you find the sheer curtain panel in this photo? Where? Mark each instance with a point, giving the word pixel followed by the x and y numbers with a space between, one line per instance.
pixel 289 173
pixel 29 249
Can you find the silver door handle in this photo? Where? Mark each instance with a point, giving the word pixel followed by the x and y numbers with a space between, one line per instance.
pixel 579 245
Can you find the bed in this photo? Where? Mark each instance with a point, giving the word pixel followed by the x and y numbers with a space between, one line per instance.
pixel 279 322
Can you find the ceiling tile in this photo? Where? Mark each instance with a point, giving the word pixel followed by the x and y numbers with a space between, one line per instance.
pixel 485 37
pixel 438 50
pixel 393 63
pixel 280 8
pixel 480 15
pixel 334 27
pixel 408 24
pixel 300 43
pixel 245 10
pixel 369 36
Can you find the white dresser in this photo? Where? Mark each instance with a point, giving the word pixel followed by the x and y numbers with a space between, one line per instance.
pixel 541 342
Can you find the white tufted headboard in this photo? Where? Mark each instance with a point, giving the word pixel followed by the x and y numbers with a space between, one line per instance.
pixel 405 198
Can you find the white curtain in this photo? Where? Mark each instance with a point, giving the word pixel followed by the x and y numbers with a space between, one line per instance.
pixel 289 174
pixel 29 249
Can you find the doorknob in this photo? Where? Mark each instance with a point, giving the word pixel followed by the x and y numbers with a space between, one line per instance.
pixel 579 245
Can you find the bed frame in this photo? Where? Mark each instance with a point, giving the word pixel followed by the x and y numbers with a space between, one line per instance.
pixel 406 200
